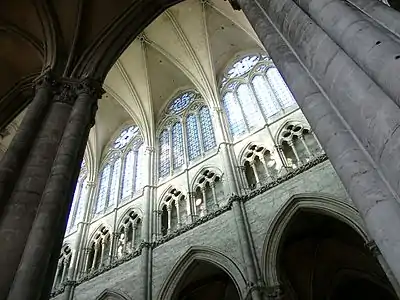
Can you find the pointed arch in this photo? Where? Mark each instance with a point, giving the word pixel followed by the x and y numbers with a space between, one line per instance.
pixel 109 294
pixel 96 230
pixel 321 203
pixel 205 168
pixel 127 211
pixel 289 122
pixel 166 191
pixel 200 253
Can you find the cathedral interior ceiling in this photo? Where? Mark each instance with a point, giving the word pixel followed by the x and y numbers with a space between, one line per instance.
pixel 187 46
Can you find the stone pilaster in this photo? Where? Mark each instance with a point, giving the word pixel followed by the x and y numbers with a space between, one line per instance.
pixel 57 196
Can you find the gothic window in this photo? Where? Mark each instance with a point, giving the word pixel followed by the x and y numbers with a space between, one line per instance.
pixel 186 132
pixel 62 268
pixel 129 234
pixel 99 250
pixel 299 145
pixel 172 211
pixel 193 137
pixel 122 171
pixel 252 91
pixel 208 192
pixel 78 202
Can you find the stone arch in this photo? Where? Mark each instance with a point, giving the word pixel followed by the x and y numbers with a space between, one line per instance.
pixel 285 124
pixel 108 294
pixel 215 169
pixel 127 211
pixel 96 230
pixel 322 203
pixel 200 253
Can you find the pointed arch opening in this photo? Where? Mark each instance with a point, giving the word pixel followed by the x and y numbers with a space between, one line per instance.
pixel 316 249
pixel 203 273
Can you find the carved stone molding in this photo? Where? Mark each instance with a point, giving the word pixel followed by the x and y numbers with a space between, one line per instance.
pixel 66 94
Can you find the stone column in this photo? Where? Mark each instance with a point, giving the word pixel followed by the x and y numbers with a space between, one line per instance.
pixel 372 48
pixel 20 211
pixel 169 209
pixel 380 13
pixel 178 217
pixel 212 185
pixel 370 192
pixel 253 167
pixel 57 196
pixel 18 151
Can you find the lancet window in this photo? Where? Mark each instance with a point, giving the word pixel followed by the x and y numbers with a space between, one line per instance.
pixel 253 91
pixel 122 172
pixel 208 192
pixel 186 132
pixel 78 202
pixel 298 144
pixel 259 165
pixel 62 267
pixel 129 234
pixel 99 253
pixel 172 211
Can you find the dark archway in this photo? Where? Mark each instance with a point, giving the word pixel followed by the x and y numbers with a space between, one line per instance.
pixel 321 257
pixel 204 280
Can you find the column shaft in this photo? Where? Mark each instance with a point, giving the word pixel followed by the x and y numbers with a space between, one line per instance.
pixel 57 197
pixel 374 49
pixel 371 194
pixel 18 151
pixel 20 211
pixel 381 13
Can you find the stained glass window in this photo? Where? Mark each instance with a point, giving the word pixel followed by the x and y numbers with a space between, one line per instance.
pixel 176 140
pixel 280 88
pixel 125 137
pixel 234 114
pixel 140 169
pixel 114 188
pixel 269 103
pixel 207 130
pixel 253 91
pixel 251 110
pixel 127 184
pixel 181 102
pixel 103 189
pixel 81 203
pixel 164 154
pixel 193 137
pixel 177 145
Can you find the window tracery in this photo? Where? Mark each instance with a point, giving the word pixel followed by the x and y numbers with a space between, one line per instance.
pixel 129 234
pixel 252 91
pixel 259 164
pixel 121 174
pixel 299 144
pixel 99 253
pixel 208 191
pixel 186 132
pixel 172 211
pixel 62 267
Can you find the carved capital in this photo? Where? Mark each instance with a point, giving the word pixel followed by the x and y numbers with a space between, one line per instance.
pixel 65 94
pixel 45 80
pixel 235 4
pixel 275 292
pixel 90 87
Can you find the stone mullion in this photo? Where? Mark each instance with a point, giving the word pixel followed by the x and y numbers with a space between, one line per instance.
pixel 75 208
pixel 171 154
pixel 19 149
pixel 235 94
pixel 57 196
pixel 353 166
pixel 185 142
pixel 108 194
pixel 200 134
pixel 56 275
pixel 134 172
pixel 255 98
